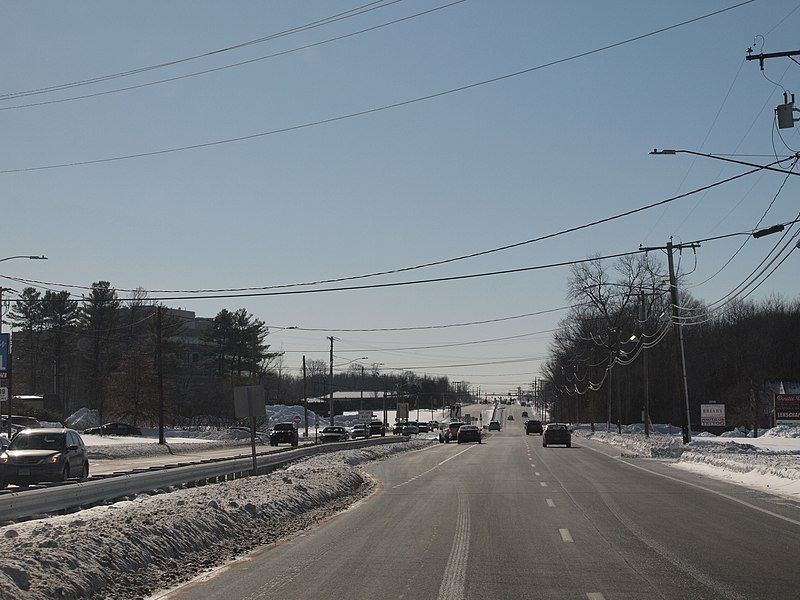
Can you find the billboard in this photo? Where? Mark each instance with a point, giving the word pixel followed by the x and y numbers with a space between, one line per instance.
pixel 712 415
pixel 364 416
pixel 787 408
pixel 402 411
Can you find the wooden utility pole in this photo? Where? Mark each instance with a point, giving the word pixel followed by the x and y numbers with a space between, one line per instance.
pixel 686 425
pixel 160 370
pixel 645 371
pixel 331 381
pixel 305 397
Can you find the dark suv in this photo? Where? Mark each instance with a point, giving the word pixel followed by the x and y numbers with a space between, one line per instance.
pixel 557 433
pixel 43 454
pixel 450 432
pixel 377 428
pixel 533 427
pixel 283 433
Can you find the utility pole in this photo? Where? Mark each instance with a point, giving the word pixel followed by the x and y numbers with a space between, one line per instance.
pixel 331 380
pixel 385 414
pixel 305 397
pixel 361 401
pixel 160 367
pixel 762 57
pixel 609 391
pixel 684 387
pixel 645 371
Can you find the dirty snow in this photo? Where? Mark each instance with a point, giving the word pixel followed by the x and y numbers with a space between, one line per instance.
pixel 132 548
pixel 770 462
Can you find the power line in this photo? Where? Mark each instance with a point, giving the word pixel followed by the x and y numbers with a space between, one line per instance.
pixel 397 270
pixel 359 10
pixel 372 110
pixel 235 64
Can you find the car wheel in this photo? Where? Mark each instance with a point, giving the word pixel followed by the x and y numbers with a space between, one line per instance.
pixel 480 442
pixel 544 444
pixel 569 444
pixel 65 473
pixel 447 441
pixel 3 484
pixel 541 434
pixel 85 474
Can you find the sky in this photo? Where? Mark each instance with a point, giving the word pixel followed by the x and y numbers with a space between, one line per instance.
pixel 468 171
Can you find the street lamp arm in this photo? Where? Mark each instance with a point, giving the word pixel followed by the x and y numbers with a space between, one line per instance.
pixel 767 167
pixel 30 257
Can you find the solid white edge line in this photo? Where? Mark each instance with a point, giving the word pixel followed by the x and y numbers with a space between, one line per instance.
pixel 595 596
pixel 698 486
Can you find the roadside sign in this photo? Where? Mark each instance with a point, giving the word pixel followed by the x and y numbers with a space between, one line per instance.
pixel 5 343
pixel 712 415
pixel 364 416
pixel 296 419
pixel 249 401
pixel 402 411
pixel 787 409
pixel 3 394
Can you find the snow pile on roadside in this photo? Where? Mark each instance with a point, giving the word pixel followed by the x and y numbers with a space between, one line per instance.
pixel 131 548
pixel 783 431
pixel 82 419
pixel 751 462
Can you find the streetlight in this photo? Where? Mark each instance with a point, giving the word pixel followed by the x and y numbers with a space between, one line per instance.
pixel 8 366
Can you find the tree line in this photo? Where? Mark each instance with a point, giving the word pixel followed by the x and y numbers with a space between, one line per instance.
pixel 734 350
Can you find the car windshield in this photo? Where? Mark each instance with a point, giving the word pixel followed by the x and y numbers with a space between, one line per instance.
pixel 39 441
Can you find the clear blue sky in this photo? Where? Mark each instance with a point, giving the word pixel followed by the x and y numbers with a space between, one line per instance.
pixel 461 173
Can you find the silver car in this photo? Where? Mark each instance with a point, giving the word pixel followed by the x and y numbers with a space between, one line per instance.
pixel 36 455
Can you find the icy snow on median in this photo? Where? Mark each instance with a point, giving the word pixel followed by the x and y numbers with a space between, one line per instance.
pixel 132 548
pixel 770 462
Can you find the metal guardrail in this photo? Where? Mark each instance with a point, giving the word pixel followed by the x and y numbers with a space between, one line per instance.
pixel 21 505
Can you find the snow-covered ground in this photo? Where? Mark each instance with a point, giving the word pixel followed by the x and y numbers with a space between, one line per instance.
pixel 770 462
pixel 132 548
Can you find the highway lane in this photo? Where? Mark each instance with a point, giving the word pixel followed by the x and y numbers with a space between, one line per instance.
pixel 510 519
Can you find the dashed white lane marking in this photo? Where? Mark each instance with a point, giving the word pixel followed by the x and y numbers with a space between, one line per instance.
pixel 543 484
pixel 595 596
pixel 550 503
pixel 565 535
pixel 437 465
pixel 455 571
pixel 538 474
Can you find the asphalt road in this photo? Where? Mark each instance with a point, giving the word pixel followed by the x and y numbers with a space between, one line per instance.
pixel 510 519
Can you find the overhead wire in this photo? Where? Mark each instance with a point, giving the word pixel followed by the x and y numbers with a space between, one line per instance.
pixel 375 109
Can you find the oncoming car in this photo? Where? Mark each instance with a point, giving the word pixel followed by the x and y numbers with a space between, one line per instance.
pixel 557 433
pixel 334 433
pixel 44 454
pixel 494 425
pixel 284 433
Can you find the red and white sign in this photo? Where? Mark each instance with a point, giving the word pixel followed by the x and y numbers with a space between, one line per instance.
pixel 296 419
pixel 787 408
pixel 712 415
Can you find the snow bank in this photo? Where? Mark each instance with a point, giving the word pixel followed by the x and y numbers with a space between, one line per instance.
pixel 770 462
pixel 82 419
pixel 132 548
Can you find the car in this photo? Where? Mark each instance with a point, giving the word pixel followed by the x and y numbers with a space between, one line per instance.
pixel 423 427
pixel 113 429
pixel 450 432
pixel 377 428
pixel 433 425
pixel 494 425
pixel 284 433
pixel 533 426
pixel 510 417
pixel 43 454
pixel 410 428
pixel 19 422
pixel 360 430
pixel 524 413
pixel 557 433
pixel 333 434
pixel 468 433
pixel 398 428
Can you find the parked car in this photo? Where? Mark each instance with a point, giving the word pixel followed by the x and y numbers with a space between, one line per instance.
pixel 360 430
pixel 333 434
pixel 114 429
pixel 433 425
pixel 468 433
pixel 423 427
pixel 494 425
pixel 450 432
pixel 377 428
pixel 398 428
pixel 557 433
pixel 284 433
pixel 43 454
pixel 533 426
pixel 410 428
